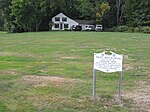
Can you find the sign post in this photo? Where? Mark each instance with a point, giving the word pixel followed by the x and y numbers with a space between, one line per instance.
pixel 94 84
pixel 120 85
pixel 108 64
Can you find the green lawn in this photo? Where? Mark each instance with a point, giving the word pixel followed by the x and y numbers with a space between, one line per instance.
pixel 27 60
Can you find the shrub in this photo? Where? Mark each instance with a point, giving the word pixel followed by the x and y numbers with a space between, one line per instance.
pixel 1 29
pixel 67 30
pixel 146 29
pixel 111 29
pixel 137 29
pixel 141 29
pixel 119 29
pixel 130 29
pixel 122 28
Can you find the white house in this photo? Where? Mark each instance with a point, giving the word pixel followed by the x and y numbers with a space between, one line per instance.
pixel 62 22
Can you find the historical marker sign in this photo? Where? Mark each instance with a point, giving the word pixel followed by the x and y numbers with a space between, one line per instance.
pixel 108 63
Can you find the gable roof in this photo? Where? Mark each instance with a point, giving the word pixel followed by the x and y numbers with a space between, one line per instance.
pixel 85 22
pixel 90 22
pixel 60 14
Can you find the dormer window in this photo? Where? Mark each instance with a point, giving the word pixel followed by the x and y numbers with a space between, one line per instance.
pixel 64 19
pixel 57 18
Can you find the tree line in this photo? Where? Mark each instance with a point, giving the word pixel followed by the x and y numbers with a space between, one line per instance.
pixel 35 15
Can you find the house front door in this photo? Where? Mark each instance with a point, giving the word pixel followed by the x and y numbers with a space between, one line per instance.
pixel 61 26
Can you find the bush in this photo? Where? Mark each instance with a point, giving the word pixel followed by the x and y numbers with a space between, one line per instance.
pixel 137 29
pixel 146 29
pixel 122 28
pixel 141 29
pixel 130 29
pixel 1 29
pixel 13 28
pixel 111 29
pixel 67 30
pixel 119 29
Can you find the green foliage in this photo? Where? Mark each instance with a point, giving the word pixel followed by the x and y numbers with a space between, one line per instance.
pixel 140 29
pixel 28 14
pixel 119 29
pixel 84 9
pixel 109 19
pixel 137 12
pixel 143 29
pixel 3 108
pixel 23 15
pixel 1 22
pixel 146 29
pixel 6 13
pixel 22 12
pixel 35 15
pixel 103 9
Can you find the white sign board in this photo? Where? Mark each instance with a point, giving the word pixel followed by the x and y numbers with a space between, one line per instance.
pixel 108 63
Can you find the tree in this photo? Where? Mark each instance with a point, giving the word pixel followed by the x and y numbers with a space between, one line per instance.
pixel 1 21
pixel 57 6
pixel 29 14
pixel 85 9
pixel 22 13
pixel 71 9
pixel 40 11
pixel 137 12
pixel 118 10
pixel 6 14
pixel 103 9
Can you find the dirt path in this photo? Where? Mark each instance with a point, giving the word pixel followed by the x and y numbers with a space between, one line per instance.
pixel 140 96
pixel 45 80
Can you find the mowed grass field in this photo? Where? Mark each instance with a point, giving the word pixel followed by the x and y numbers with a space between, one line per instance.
pixel 53 71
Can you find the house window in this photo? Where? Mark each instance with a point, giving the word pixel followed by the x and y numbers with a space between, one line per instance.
pixel 57 18
pixel 56 25
pixel 64 19
pixel 66 25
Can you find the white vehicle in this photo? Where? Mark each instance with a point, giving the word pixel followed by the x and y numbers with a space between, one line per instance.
pixel 98 28
pixel 89 27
